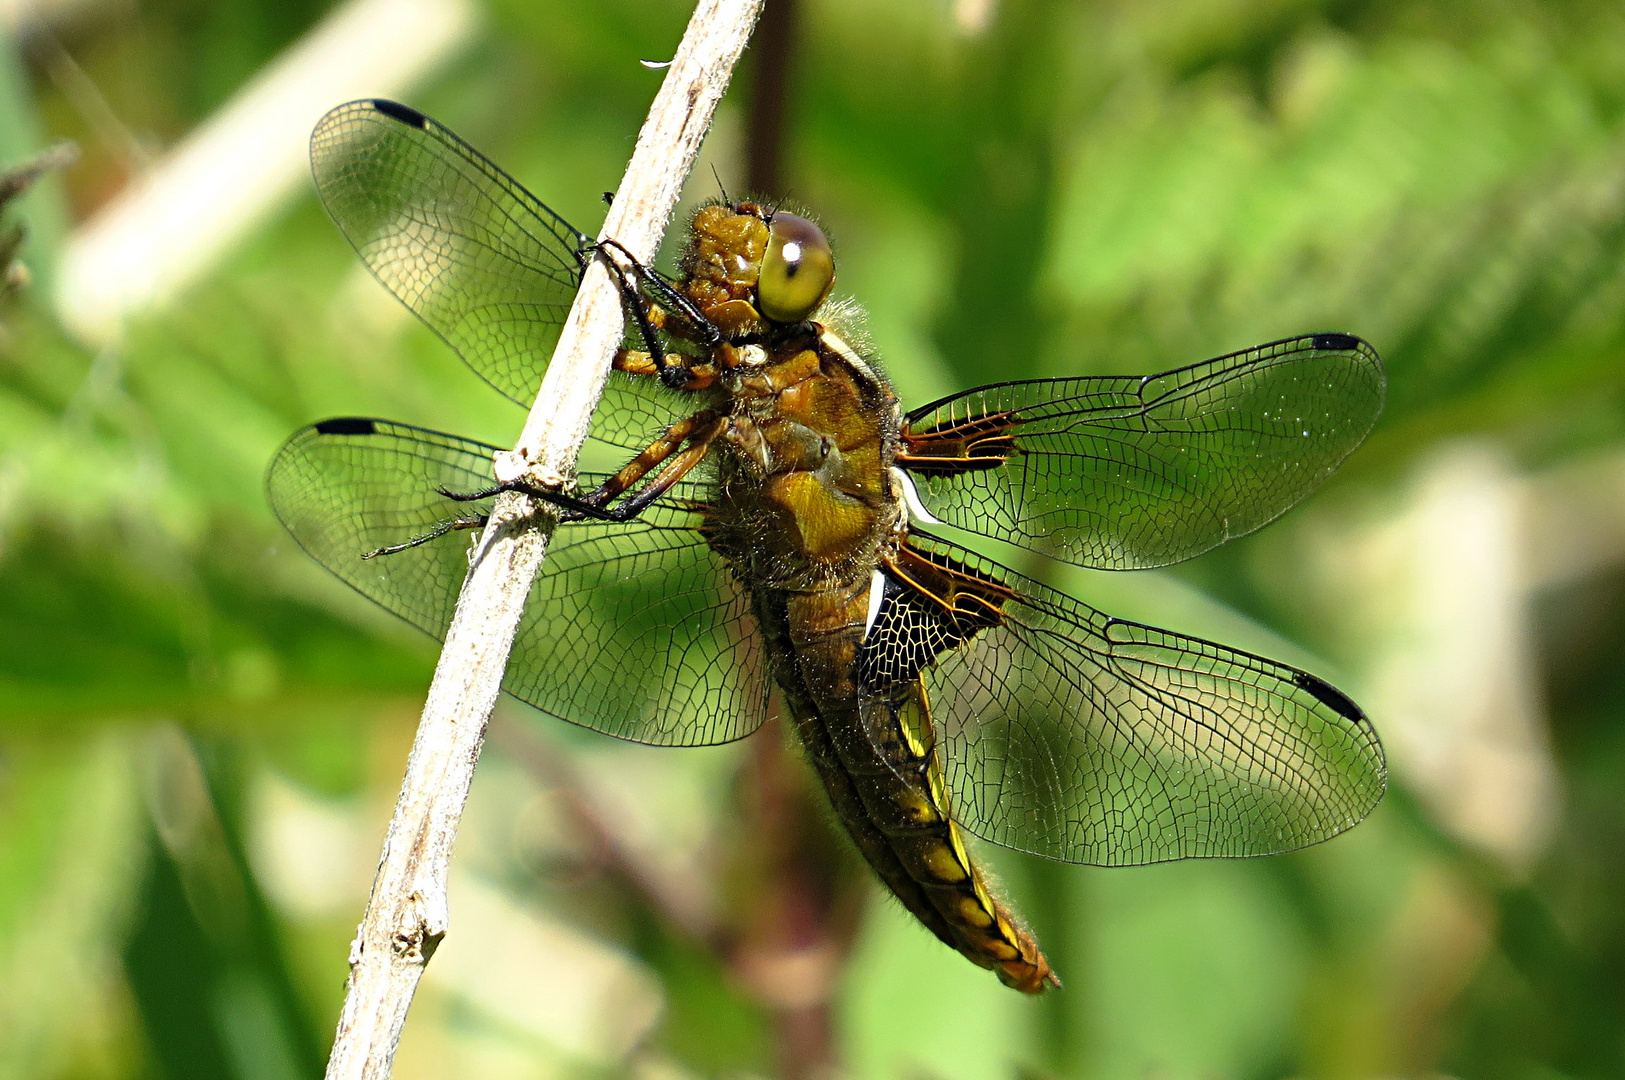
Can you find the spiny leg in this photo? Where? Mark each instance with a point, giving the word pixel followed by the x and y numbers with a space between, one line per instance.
pixel 677 468
pixel 698 431
pixel 660 291
pixel 472 521
pixel 640 308
pixel 635 362
pixel 696 428
pixel 646 311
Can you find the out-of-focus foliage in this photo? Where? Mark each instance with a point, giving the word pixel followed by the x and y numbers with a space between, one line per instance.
pixel 200 734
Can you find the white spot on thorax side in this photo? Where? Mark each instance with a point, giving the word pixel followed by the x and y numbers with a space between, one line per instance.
pixel 911 498
pixel 877 593
pixel 752 356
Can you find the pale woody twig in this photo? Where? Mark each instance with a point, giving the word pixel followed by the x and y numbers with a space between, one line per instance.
pixel 407 912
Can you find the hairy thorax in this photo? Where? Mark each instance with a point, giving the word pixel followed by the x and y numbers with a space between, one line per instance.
pixel 806 496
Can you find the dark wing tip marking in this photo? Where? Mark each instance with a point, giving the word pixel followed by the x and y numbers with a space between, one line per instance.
pixel 1337 342
pixel 346 425
pixel 1329 695
pixel 396 111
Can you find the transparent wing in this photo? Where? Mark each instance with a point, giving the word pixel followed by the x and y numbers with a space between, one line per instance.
pixel 635 630
pixel 1128 472
pixel 1084 738
pixel 478 258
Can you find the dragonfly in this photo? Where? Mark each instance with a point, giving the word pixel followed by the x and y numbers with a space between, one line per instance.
pixel 783 530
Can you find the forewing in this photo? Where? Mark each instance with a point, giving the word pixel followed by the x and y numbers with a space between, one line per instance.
pixel 477 257
pixel 635 630
pixel 1125 472
pixel 1083 738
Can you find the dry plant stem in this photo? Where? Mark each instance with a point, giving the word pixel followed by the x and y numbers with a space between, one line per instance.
pixel 407 913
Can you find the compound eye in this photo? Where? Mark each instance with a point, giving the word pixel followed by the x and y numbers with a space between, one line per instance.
pixel 797 272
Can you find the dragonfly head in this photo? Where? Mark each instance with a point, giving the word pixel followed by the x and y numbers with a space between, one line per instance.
pixel 750 268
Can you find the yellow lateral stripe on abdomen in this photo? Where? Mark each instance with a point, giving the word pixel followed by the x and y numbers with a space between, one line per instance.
pixel 931 848
pixel 877 755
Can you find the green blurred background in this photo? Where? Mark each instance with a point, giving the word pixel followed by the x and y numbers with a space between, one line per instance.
pixel 201 734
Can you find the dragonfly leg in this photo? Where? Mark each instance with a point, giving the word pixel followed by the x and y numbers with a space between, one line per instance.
pixel 473 521
pixel 574 509
pixel 640 306
pixel 634 362
pixel 661 291
pixel 698 432
pixel 647 314
pixel 679 466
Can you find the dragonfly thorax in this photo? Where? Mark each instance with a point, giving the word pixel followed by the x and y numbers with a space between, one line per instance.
pixel 805 464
